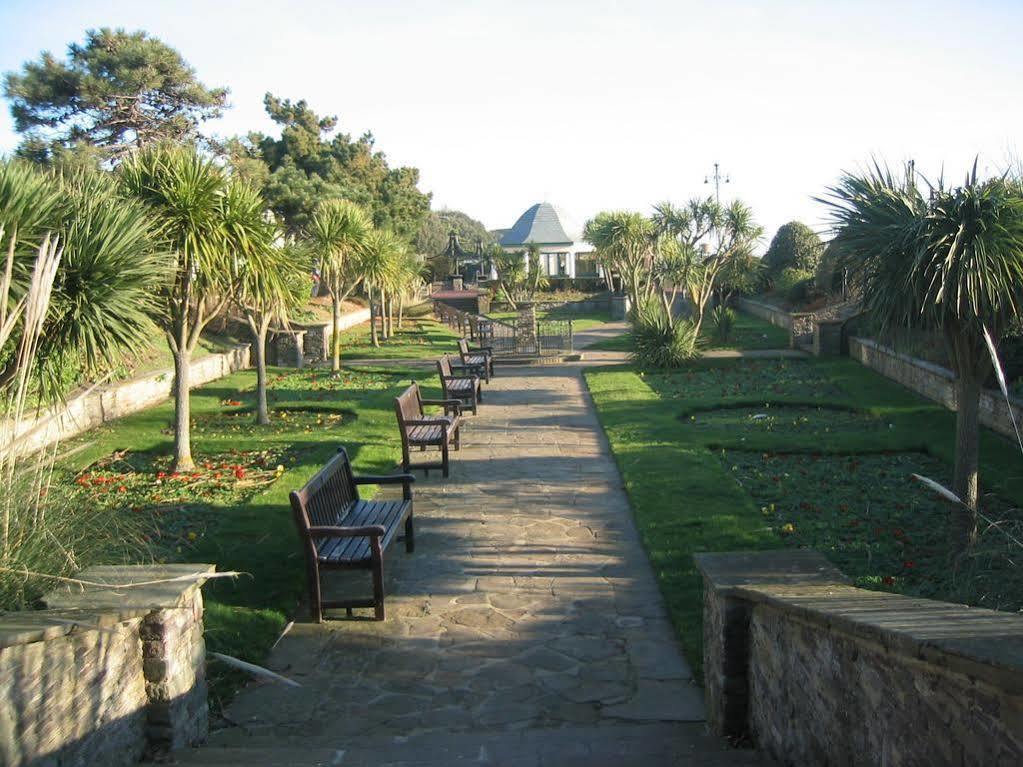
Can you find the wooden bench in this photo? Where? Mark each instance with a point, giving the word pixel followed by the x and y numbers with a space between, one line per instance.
pixel 480 358
pixel 422 430
pixel 467 389
pixel 340 531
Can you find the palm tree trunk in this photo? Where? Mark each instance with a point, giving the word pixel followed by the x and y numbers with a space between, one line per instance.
pixel 335 335
pixel 262 411
pixel 401 310
pixel 965 479
pixel 182 410
pixel 374 339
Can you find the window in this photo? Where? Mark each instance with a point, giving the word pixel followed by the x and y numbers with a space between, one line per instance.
pixel 586 265
pixel 555 264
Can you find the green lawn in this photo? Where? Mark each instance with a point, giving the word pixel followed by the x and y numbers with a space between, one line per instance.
pixel 757 454
pixel 748 333
pixel 421 338
pixel 233 511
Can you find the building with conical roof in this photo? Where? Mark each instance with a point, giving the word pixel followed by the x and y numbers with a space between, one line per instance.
pixel 563 252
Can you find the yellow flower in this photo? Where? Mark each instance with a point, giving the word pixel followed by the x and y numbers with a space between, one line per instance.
pixel 788 528
pixel 192 536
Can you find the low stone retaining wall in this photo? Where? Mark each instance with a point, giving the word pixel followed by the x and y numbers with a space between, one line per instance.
pixel 107 403
pixel 799 324
pixel 316 341
pixel 935 382
pixel 818 672
pixel 105 675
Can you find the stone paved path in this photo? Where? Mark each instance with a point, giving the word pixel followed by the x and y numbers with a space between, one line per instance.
pixel 528 616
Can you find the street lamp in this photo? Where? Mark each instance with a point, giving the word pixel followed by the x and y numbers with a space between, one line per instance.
pixel 718 180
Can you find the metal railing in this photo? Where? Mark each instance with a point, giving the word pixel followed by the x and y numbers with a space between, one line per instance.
pixel 504 338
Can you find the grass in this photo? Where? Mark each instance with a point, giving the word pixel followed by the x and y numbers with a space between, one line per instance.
pixel 233 511
pixel 748 333
pixel 421 338
pixel 727 455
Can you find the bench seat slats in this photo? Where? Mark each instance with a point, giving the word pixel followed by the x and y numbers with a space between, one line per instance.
pixel 389 514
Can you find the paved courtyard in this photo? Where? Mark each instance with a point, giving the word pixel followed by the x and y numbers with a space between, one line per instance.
pixel 527 623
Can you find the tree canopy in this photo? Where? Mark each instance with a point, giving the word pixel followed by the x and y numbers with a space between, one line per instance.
pixel 794 246
pixel 432 237
pixel 310 162
pixel 117 91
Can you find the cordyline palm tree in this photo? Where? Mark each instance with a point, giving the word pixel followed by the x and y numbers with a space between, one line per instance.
pixel 951 262
pixel 625 243
pixel 206 224
pixel 102 293
pixel 698 242
pixel 377 266
pixel 409 277
pixel 274 281
pixel 338 233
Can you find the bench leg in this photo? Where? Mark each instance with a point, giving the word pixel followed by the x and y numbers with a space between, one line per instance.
pixel 444 458
pixel 313 581
pixel 410 535
pixel 378 578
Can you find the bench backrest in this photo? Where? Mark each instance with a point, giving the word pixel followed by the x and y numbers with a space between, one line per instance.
pixel 408 406
pixel 463 348
pixel 326 498
pixel 444 367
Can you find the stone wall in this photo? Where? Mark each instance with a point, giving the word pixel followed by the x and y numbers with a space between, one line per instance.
pixel 818 672
pixel 104 676
pixel 799 324
pixel 106 403
pixel 316 342
pixel 936 383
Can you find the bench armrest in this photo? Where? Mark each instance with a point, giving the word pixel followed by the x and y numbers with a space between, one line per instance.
pixel 428 422
pixel 453 404
pixel 373 531
pixel 405 480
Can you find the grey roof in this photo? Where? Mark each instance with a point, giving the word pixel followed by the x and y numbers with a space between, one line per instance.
pixel 540 224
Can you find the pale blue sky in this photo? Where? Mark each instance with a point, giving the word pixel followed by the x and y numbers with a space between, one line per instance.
pixel 597 104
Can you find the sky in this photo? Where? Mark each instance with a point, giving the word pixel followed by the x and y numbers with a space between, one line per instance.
pixel 596 105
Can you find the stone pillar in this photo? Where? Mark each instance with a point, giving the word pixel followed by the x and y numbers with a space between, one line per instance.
pixel 525 329
pixel 316 343
pixel 288 348
pixel 174 666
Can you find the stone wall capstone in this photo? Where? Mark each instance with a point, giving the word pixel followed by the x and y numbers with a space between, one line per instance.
pixel 104 675
pixel 828 674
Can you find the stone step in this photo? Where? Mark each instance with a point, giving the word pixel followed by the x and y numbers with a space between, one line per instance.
pixel 651 745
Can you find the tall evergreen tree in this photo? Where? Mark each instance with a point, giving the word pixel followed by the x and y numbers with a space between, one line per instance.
pixel 117 91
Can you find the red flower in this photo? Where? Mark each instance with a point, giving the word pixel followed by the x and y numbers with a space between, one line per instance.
pixel 122 489
pixel 239 473
pixel 909 564
pixel 888 580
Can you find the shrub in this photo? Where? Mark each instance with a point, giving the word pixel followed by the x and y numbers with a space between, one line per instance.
pixel 828 274
pixel 794 285
pixel 657 343
pixel 795 246
pixel 723 320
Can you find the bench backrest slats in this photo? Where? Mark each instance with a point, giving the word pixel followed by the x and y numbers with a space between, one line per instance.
pixel 328 496
pixel 408 406
pixel 463 348
pixel 444 367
